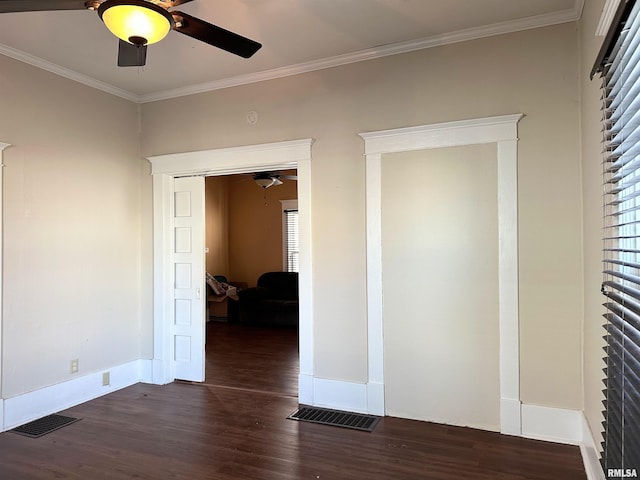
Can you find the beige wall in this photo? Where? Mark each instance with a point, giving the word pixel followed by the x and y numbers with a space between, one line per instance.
pixel 592 218
pixel 533 72
pixel 78 251
pixel 217 225
pixel 72 229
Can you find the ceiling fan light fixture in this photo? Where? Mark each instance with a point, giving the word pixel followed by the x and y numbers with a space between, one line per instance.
pixel 264 182
pixel 136 21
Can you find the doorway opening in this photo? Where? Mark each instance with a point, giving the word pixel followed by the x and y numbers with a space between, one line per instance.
pixel 166 170
pixel 252 251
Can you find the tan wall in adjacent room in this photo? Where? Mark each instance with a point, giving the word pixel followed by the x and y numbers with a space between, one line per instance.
pixel 255 227
pixel 243 234
pixel 217 225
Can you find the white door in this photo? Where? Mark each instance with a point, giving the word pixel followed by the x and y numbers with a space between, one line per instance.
pixel 188 333
pixel 440 286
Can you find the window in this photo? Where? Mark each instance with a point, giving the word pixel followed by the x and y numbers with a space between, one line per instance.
pixel 619 68
pixel 290 243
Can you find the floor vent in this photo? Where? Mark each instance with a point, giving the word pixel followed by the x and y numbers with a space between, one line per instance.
pixel 44 425
pixel 335 418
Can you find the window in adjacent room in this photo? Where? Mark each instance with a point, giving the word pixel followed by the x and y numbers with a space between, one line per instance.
pixel 290 243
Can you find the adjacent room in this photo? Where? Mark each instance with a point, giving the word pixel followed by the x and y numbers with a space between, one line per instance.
pixel 252 247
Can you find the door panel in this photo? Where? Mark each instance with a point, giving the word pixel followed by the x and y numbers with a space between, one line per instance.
pixel 189 279
pixel 440 285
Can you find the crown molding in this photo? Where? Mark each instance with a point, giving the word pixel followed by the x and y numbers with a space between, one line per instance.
pixel 527 23
pixel 67 73
pixel 537 21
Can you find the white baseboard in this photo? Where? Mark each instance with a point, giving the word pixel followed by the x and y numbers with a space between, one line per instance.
pixel 531 421
pixel 510 416
pixel 146 370
pixel 552 424
pixel 45 401
pixel 348 396
pixel 589 452
pixel 375 399
pixel 160 373
pixel 305 389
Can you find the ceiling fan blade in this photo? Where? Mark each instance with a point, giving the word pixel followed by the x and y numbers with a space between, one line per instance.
pixel 173 3
pixel 214 35
pixel 131 55
pixel 277 181
pixel 7 6
pixel 289 177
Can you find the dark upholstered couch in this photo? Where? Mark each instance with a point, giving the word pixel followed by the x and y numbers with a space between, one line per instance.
pixel 274 301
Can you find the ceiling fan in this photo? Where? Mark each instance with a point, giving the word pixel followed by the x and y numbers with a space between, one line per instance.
pixel 269 179
pixel 138 23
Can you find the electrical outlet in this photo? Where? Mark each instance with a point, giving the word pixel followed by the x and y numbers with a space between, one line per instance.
pixel 106 378
pixel 74 365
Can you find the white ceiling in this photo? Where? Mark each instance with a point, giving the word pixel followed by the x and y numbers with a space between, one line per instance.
pixel 297 36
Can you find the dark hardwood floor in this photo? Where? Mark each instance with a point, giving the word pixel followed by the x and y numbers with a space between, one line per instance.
pixel 234 427
pixel 254 358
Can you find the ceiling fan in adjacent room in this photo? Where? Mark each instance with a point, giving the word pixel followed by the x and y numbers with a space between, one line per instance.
pixel 138 23
pixel 268 179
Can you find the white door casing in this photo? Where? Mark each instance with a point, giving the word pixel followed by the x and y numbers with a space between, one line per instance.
pixel 2 147
pixel 224 161
pixel 501 130
pixel 188 333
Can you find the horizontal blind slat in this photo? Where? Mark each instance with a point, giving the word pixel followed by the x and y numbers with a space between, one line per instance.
pixel 621 263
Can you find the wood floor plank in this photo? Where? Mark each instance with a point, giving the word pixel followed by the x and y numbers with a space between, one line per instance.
pixel 231 432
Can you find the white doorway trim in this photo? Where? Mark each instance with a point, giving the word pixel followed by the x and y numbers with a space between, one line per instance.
pixel 2 147
pixel 503 131
pixel 224 161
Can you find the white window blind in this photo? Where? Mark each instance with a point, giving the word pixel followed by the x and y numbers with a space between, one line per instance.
pixel 619 68
pixel 292 245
